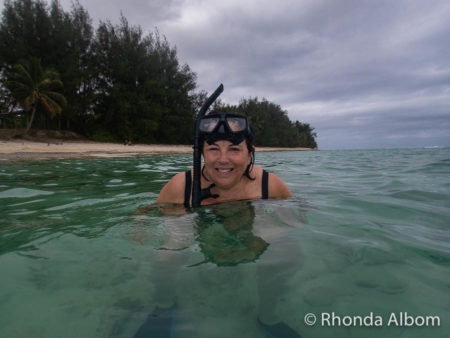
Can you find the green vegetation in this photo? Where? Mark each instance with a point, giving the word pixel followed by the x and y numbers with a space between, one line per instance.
pixel 31 87
pixel 271 124
pixel 118 84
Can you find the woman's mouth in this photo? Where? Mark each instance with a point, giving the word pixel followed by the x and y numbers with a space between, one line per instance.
pixel 224 171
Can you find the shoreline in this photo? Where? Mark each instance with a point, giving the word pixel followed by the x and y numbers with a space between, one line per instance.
pixel 25 150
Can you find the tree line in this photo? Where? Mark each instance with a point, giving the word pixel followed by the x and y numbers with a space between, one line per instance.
pixel 271 124
pixel 110 83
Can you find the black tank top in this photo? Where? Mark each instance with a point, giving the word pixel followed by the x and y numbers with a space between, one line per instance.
pixel 187 187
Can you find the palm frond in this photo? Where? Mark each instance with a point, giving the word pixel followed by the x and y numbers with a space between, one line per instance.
pixel 31 85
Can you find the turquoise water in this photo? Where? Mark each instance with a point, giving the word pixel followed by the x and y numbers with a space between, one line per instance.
pixel 367 234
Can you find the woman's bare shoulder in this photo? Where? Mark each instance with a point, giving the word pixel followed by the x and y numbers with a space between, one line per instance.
pixel 173 191
pixel 277 188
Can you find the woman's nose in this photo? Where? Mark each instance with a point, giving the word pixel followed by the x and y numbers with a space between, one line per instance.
pixel 223 157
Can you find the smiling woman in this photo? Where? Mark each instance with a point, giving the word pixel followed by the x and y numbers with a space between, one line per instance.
pixel 228 172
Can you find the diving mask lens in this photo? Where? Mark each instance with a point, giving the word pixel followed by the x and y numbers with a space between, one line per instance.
pixel 236 124
pixel 208 124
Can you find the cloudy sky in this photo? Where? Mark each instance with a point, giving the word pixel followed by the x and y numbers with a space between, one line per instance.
pixel 364 74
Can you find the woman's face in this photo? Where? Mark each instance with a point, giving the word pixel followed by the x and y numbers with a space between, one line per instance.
pixel 225 163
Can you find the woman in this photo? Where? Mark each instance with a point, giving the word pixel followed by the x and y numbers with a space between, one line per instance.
pixel 229 172
pixel 225 232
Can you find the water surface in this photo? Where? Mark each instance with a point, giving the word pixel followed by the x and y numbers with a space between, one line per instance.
pixel 367 232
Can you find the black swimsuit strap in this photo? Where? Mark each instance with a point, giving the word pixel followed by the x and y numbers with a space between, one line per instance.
pixel 265 185
pixel 187 189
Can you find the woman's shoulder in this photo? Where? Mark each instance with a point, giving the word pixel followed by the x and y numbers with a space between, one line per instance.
pixel 173 191
pixel 277 188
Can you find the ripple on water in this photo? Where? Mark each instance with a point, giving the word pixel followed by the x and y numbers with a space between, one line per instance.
pixel 81 203
pixel 27 202
pixel 23 193
pixel 144 166
pixel 23 212
pixel 116 180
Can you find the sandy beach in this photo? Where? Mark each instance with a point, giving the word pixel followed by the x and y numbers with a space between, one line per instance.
pixel 24 150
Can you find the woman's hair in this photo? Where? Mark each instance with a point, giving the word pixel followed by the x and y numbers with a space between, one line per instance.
pixel 251 150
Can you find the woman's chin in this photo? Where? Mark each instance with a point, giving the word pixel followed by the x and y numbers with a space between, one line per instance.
pixel 225 180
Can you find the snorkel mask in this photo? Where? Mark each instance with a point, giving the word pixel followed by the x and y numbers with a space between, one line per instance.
pixel 225 126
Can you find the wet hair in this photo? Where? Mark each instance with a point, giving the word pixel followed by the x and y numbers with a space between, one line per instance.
pixel 251 150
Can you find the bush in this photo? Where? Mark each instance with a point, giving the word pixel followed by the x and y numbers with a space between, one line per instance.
pixel 103 136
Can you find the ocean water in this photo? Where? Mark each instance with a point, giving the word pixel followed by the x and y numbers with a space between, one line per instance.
pixel 361 250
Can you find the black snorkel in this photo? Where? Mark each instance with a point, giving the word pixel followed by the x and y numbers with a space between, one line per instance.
pixel 196 188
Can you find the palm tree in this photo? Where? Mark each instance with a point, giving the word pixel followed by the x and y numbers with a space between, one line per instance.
pixel 32 86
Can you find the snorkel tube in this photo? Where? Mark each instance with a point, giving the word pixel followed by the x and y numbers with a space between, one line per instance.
pixel 196 188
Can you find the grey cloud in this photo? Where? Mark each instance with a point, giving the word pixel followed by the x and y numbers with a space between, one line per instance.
pixel 146 13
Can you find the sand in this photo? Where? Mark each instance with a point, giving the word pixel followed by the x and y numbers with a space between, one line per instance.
pixel 24 150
